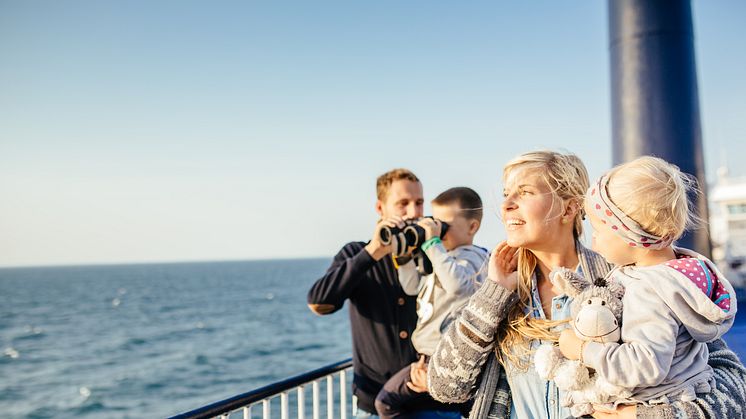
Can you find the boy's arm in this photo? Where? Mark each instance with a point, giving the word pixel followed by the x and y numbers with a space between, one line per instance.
pixel 726 400
pixel 649 332
pixel 348 268
pixel 409 278
pixel 457 276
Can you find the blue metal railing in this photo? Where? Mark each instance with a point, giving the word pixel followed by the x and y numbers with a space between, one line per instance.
pixel 265 394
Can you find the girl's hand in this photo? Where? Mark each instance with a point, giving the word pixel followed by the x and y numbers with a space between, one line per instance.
pixel 570 344
pixel 502 266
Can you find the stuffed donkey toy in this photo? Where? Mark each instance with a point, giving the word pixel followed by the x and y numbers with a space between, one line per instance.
pixel 596 312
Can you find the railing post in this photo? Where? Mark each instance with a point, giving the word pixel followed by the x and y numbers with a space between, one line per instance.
pixel 247 412
pixel 301 403
pixel 343 394
pixel 284 405
pixel 265 408
pixel 330 397
pixel 316 400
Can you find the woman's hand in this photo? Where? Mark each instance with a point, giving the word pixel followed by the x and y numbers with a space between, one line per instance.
pixel 621 412
pixel 502 266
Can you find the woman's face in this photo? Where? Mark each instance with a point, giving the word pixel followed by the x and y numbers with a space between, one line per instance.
pixel 531 213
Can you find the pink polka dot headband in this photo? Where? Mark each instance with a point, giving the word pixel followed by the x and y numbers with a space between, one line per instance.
pixel 623 226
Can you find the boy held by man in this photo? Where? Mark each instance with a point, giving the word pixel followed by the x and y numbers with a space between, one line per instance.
pixel 458 269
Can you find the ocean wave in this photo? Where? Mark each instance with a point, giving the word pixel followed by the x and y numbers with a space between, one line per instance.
pixel 93 407
pixel 31 333
pixel 132 343
pixel 11 353
pixel 309 347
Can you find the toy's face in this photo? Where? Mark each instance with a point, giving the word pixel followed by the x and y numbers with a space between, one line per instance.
pixel 594 321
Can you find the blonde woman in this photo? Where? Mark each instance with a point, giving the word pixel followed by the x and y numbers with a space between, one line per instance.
pixel 486 353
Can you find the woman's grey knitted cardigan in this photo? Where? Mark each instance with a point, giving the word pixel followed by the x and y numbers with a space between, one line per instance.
pixel 465 358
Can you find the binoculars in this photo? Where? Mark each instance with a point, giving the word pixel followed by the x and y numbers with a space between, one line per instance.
pixel 411 235
pixel 409 239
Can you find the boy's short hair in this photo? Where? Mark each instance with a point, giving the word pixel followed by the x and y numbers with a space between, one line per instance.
pixel 467 199
pixel 383 183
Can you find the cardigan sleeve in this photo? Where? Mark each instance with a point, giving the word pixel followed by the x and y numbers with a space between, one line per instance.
pixel 460 356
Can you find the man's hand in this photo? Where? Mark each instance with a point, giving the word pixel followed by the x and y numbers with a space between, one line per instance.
pixel 431 226
pixel 418 376
pixel 570 344
pixel 375 248
pixel 502 266
pixel 621 412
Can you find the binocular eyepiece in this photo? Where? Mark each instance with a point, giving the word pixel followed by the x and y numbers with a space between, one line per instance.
pixel 409 236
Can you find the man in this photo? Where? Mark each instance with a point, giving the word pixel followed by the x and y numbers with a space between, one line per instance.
pixel 382 315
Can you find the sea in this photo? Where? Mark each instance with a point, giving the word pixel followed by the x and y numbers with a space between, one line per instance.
pixel 155 340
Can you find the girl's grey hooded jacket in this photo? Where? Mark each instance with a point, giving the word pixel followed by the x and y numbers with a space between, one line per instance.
pixel 687 301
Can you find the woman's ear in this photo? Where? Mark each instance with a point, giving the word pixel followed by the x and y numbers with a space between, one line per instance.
pixel 572 207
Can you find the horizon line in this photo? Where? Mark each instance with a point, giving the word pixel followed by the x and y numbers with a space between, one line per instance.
pixel 161 262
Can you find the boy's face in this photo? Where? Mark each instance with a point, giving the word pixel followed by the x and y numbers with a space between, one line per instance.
pixel 404 199
pixel 461 230
pixel 607 243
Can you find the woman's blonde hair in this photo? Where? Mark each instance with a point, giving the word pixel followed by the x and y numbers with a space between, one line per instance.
pixel 655 194
pixel 567 178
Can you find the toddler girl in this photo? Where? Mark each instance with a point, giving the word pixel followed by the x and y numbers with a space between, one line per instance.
pixel 675 300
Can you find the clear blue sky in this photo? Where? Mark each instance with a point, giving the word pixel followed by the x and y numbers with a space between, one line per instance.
pixel 189 130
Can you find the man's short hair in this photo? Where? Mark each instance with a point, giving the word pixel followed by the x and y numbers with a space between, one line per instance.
pixel 467 199
pixel 383 183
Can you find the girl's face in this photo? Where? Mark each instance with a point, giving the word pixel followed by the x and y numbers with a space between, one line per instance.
pixel 612 247
pixel 531 213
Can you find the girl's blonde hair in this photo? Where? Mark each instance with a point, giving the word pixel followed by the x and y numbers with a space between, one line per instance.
pixel 654 193
pixel 567 179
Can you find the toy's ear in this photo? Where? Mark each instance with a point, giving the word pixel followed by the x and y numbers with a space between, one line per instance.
pixel 616 288
pixel 567 281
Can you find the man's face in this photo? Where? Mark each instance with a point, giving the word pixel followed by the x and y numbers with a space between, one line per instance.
pixel 404 199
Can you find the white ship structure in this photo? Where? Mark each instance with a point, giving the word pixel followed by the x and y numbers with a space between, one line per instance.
pixel 727 205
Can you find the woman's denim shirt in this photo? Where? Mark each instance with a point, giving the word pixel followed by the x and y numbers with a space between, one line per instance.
pixel 532 396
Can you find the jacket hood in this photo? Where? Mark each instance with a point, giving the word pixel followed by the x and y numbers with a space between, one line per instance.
pixel 683 285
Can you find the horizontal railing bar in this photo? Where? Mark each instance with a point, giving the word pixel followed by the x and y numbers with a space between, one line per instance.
pixel 241 400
